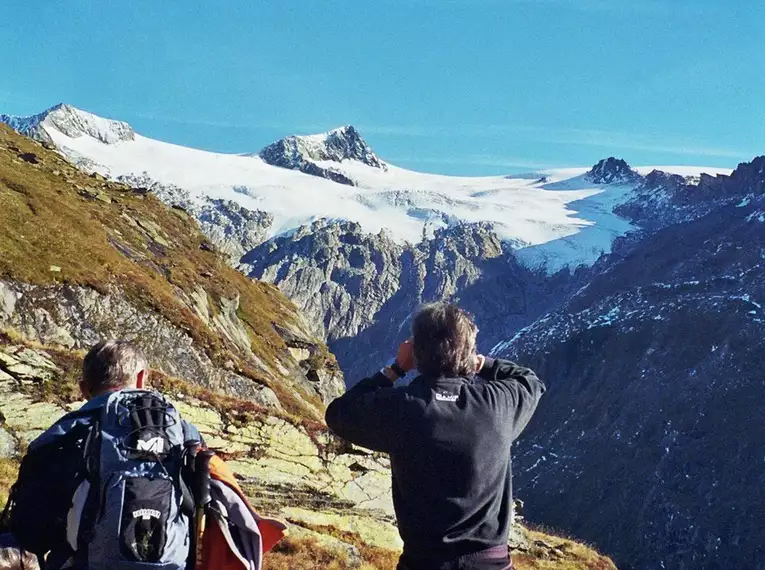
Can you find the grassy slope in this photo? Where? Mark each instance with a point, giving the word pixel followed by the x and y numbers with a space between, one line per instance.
pixel 54 216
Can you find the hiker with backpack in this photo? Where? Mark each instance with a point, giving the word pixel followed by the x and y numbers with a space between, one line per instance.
pixel 103 485
pixel 125 483
pixel 448 434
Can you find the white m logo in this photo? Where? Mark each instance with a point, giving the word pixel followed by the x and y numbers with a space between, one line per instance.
pixel 153 445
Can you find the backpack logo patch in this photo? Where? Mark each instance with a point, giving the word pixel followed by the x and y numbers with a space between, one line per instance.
pixel 146 514
pixel 153 445
pixel 443 397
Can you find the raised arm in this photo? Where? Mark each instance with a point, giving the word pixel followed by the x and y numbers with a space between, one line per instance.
pixel 363 415
pixel 369 413
pixel 521 387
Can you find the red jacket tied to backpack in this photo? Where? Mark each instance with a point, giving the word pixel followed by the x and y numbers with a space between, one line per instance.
pixel 257 535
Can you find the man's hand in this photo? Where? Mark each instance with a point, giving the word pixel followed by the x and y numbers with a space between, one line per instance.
pixel 405 356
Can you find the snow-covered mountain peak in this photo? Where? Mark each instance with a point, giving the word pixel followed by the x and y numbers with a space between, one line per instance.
pixel 612 171
pixel 73 123
pixel 337 145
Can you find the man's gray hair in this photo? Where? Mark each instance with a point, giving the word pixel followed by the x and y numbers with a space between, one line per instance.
pixel 444 340
pixel 112 365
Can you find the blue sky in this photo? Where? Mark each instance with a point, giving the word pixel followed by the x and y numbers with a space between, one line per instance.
pixel 452 86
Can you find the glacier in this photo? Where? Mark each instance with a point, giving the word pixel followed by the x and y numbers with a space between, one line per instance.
pixel 553 218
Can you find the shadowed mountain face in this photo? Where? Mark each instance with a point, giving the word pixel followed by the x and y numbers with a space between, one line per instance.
pixel 612 171
pixel 649 442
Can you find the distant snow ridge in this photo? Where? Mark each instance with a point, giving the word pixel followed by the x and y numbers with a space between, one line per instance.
pixel 612 171
pixel 73 123
pixel 555 218
pixel 302 153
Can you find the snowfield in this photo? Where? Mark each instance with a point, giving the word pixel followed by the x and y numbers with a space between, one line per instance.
pixel 554 218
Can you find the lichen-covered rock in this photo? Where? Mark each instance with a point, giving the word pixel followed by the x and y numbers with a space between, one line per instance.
pixel 24 417
pixel 379 532
pixel 8 444
pixel 266 452
pixel 335 496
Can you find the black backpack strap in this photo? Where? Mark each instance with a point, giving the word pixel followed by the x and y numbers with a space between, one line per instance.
pixel 190 449
pixel 193 443
pixel 91 455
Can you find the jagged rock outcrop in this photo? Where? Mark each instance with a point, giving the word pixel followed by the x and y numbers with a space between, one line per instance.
pixel 612 171
pixel 233 229
pixel 302 153
pixel 654 372
pixel 328 268
pixel 663 199
pixel 364 288
pixel 78 317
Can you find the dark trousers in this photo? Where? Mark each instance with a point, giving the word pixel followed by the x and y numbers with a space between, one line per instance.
pixel 492 559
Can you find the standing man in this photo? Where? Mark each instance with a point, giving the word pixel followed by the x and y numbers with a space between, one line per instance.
pixel 448 434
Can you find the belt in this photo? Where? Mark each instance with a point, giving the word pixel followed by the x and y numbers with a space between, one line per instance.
pixel 494 553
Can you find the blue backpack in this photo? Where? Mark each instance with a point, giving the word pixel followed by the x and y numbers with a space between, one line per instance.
pixel 106 486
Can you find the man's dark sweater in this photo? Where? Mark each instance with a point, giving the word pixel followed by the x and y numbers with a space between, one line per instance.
pixel 449 443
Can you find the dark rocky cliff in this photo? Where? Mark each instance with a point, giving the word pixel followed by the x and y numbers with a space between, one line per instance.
pixel 649 440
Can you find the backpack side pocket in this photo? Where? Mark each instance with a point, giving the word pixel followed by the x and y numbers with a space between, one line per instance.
pixel 145 511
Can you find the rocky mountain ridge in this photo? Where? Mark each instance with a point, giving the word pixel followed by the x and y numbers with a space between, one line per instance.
pixel 302 152
pixel 361 290
pixel 147 268
pixel 556 218
pixel 664 199
pixel 233 229
pixel 654 373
